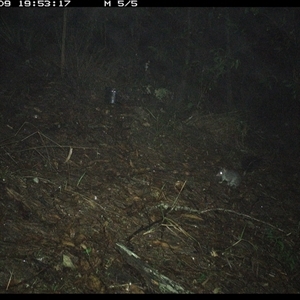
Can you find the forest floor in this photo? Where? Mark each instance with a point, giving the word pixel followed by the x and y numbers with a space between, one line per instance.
pixel 124 198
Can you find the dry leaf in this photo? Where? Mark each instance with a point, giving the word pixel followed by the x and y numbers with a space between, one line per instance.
pixel 67 262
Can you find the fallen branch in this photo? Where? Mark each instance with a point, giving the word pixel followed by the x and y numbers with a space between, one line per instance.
pixel 155 281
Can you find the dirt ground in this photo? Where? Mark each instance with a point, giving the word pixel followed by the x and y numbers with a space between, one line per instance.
pixel 124 198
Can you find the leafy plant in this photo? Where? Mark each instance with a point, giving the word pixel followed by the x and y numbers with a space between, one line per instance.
pixel 283 252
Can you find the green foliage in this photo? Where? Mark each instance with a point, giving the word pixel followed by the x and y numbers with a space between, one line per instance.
pixel 202 278
pixel 161 94
pixel 223 63
pixel 283 251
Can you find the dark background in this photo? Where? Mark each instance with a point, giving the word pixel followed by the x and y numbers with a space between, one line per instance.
pixel 225 58
pixel 209 60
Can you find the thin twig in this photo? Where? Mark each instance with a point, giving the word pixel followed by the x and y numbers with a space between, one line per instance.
pixel 80 179
pixel 240 214
pixel 69 155
pixel 9 280
pixel 173 205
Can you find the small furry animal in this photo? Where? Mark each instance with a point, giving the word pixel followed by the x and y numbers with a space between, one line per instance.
pixel 232 178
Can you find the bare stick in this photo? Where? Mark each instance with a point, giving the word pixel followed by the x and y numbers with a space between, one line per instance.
pixel 9 280
pixel 69 155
